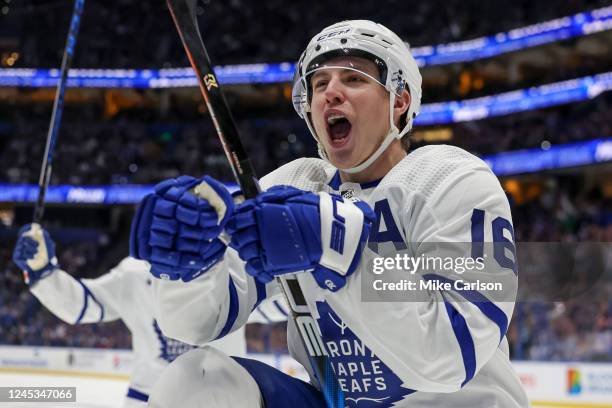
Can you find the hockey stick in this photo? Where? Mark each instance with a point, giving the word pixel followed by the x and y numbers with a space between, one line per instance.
pixel 58 107
pixel 184 16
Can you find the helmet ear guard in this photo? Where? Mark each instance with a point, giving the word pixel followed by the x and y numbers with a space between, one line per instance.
pixel 375 42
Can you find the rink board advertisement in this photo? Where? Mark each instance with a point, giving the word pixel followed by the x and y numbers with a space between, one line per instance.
pixel 543 381
pixel 566 382
pixel 69 360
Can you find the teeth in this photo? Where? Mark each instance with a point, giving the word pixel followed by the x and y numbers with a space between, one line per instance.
pixel 334 117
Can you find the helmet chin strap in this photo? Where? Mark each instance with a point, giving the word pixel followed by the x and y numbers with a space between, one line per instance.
pixel 391 136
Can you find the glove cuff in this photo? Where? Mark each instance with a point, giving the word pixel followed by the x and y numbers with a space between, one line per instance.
pixel 328 279
pixel 31 277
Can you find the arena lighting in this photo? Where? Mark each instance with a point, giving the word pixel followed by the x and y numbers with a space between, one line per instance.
pixel 71 194
pixel 503 164
pixel 546 32
pixel 521 100
pixel 543 96
pixel 553 158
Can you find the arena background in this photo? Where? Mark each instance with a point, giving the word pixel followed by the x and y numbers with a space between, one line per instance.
pixel 522 84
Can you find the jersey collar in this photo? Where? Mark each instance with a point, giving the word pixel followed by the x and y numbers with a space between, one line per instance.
pixel 336 182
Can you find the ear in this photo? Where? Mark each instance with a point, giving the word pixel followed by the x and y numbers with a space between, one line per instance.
pixel 401 105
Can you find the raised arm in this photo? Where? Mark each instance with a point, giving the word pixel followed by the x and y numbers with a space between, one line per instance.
pixel 72 300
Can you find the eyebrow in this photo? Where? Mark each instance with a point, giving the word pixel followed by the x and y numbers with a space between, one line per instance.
pixel 343 69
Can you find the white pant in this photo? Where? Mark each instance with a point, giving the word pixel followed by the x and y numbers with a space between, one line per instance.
pixel 205 377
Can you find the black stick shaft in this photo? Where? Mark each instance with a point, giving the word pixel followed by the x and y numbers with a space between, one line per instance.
pixel 215 101
pixel 184 16
pixel 58 107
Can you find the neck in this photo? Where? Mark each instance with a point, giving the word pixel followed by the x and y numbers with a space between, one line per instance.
pixel 381 166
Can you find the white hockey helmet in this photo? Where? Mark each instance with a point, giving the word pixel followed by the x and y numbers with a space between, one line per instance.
pixel 366 39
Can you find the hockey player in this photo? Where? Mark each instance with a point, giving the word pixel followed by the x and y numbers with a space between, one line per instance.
pixel 358 89
pixel 123 293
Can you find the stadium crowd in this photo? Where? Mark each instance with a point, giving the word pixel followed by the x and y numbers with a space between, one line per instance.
pixel 565 295
pixel 130 150
pixel 563 124
pixel 141 34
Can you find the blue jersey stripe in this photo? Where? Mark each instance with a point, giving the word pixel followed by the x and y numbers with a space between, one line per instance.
pixel 137 395
pixel 232 313
pixel 264 315
pixel 85 302
pixel 479 300
pixel 370 184
pixel 466 343
pixel 88 294
pixel 280 308
pixel 335 182
pixel 261 292
pixel 96 301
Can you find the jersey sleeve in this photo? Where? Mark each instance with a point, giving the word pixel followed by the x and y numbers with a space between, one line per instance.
pixel 441 339
pixel 83 300
pixel 210 306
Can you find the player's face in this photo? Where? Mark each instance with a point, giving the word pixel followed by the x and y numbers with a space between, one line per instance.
pixel 349 111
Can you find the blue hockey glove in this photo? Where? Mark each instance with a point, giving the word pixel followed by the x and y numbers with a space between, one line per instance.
pixel 176 228
pixel 287 230
pixel 34 253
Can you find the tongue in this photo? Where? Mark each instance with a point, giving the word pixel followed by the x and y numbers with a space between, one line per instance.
pixel 340 129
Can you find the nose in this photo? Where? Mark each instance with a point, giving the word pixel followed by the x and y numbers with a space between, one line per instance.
pixel 334 94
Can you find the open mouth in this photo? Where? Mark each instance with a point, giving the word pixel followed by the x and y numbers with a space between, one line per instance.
pixel 338 127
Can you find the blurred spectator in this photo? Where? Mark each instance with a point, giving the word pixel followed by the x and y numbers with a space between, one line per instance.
pixel 130 150
pixel 573 323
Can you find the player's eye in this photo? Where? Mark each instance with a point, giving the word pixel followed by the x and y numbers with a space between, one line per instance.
pixel 355 78
pixel 319 85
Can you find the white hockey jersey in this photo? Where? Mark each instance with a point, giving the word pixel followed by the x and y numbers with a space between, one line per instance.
pixel 271 310
pixel 124 293
pixel 445 350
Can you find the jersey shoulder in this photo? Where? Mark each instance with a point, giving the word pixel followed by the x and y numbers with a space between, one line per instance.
pixel 429 169
pixel 132 266
pixel 306 173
